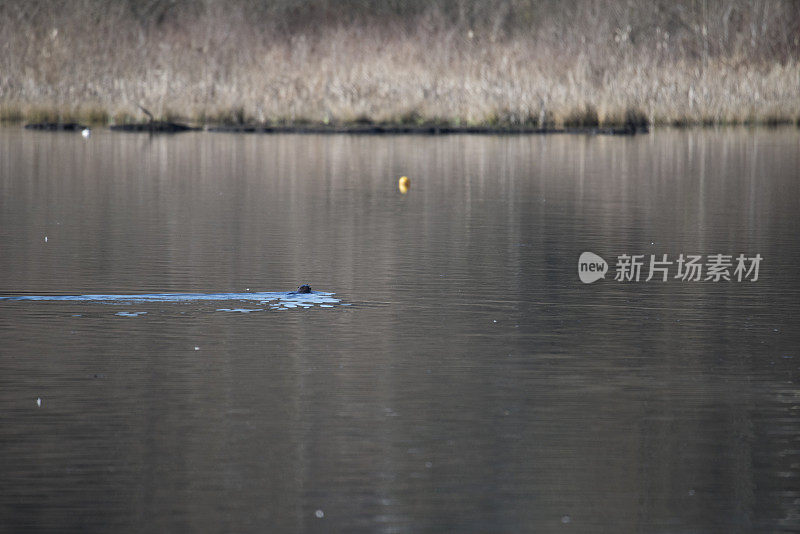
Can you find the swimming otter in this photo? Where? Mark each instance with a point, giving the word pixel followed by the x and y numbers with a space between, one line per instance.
pixel 305 288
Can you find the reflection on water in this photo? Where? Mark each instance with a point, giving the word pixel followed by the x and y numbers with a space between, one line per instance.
pixel 475 384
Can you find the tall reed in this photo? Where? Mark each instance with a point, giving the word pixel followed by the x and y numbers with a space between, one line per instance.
pixel 468 62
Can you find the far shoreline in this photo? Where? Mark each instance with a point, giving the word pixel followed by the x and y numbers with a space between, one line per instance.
pixel 490 66
pixel 377 129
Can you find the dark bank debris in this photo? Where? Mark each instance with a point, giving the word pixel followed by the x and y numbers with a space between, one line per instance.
pixel 56 126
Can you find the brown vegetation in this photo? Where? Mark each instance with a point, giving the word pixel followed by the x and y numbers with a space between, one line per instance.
pixel 460 62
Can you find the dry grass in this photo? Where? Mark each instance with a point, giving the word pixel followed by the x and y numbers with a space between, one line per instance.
pixel 469 63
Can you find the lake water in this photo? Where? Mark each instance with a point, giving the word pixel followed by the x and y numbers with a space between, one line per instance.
pixel 453 374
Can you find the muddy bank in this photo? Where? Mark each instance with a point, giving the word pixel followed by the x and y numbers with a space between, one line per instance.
pixel 154 127
pixel 388 129
pixel 377 129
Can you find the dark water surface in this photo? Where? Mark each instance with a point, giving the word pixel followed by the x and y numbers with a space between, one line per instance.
pixel 462 378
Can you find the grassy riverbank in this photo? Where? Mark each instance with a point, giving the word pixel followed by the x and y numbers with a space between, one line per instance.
pixel 493 63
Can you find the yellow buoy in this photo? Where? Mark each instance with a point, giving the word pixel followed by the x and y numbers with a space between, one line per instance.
pixel 404 183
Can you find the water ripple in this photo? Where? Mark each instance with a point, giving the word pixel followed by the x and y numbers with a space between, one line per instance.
pixel 289 300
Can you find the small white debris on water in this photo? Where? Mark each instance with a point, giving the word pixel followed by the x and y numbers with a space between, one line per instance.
pixel 86 132
pixel 428 464
pixel 45 239
pixel 320 514
pixel 691 492
pixel 566 519
pixel 197 348
pixel 39 402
